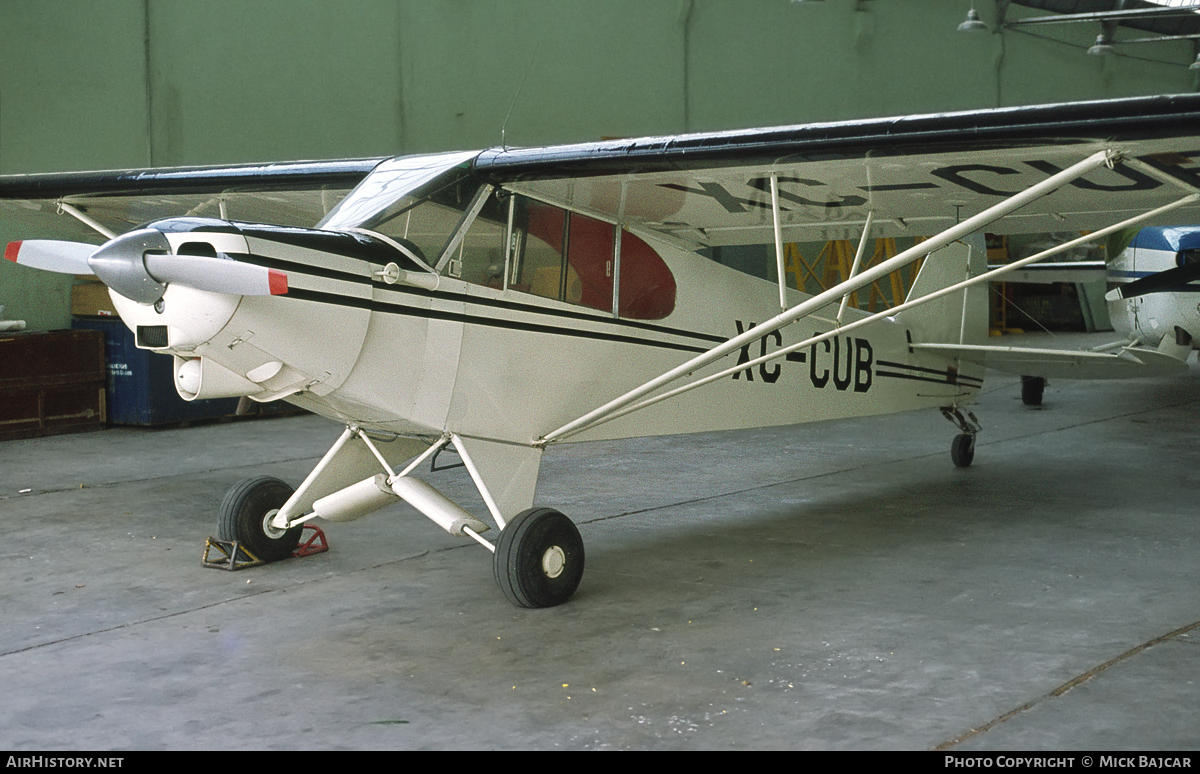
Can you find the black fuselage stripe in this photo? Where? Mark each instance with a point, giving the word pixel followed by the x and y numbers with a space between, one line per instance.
pixel 959 380
pixel 941 372
pixel 511 306
pixel 469 319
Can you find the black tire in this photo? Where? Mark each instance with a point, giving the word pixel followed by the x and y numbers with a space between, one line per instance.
pixel 244 513
pixel 962 450
pixel 539 558
pixel 1031 390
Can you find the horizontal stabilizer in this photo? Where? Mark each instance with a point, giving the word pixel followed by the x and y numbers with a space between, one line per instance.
pixel 1064 364
pixel 1063 271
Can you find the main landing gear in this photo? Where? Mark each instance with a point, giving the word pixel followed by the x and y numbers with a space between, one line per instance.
pixel 537 560
pixel 246 513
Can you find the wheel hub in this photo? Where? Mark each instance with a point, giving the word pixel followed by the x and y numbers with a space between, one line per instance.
pixel 270 531
pixel 553 561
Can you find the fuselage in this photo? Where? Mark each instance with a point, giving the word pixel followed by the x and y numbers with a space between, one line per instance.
pixel 511 317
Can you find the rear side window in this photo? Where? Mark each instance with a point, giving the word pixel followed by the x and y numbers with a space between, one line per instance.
pixel 574 258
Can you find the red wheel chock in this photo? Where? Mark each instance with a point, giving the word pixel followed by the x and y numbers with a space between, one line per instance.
pixel 314 543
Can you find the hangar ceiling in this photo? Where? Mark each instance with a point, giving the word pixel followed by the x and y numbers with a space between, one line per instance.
pixel 1165 17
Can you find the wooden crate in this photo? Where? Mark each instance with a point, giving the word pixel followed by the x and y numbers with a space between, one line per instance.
pixel 51 382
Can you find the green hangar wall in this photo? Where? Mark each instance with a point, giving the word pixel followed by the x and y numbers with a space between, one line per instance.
pixel 136 83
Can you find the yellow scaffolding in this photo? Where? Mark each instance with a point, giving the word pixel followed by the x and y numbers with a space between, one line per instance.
pixel 832 265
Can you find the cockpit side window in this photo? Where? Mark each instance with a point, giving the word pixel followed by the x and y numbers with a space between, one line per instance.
pixel 479 257
pixel 647 284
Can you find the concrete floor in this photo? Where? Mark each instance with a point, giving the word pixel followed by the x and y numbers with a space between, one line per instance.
pixel 830 586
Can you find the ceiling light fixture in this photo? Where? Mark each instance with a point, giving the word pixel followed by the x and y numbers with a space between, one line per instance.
pixel 973 23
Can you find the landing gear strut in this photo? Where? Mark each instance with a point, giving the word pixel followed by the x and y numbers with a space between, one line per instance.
pixel 537 559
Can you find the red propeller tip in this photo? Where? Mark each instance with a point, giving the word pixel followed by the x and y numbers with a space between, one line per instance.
pixel 10 252
pixel 277 281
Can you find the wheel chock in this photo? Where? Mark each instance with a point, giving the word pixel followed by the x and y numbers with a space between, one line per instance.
pixel 311 544
pixel 234 555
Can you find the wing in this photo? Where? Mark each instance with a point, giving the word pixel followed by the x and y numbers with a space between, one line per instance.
pixel 288 194
pixel 919 174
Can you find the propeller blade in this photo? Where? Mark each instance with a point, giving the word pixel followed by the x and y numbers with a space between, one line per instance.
pixel 51 255
pixel 1158 282
pixel 219 275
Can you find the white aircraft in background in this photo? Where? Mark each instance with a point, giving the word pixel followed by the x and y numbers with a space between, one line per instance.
pixel 502 301
pixel 1151 298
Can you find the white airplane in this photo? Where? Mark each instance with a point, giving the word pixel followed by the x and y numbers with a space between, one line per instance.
pixel 1151 296
pixel 1152 299
pixel 503 301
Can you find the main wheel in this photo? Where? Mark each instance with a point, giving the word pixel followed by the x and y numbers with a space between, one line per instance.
pixel 962 450
pixel 539 558
pixel 246 515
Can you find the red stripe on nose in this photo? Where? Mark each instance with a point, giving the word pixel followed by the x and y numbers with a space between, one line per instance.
pixel 277 282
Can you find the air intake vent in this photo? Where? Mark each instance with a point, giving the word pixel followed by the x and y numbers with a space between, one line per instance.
pixel 152 336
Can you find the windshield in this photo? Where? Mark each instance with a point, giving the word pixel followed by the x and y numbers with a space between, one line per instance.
pixel 391 188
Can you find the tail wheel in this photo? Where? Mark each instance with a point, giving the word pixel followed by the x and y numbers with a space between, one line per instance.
pixel 539 558
pixel 246 515
pixel 962 450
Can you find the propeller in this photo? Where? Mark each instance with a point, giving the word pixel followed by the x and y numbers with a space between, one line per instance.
pixel 1157 282
pixel 139 265
pixel 51 255
pixel 220 275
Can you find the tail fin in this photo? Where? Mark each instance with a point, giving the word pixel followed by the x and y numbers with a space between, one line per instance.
pixel 956 318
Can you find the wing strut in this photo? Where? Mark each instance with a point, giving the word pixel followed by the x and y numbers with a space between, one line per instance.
pixel 979 221
pixel 858 256
pixel 778 229
pixel 90 222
